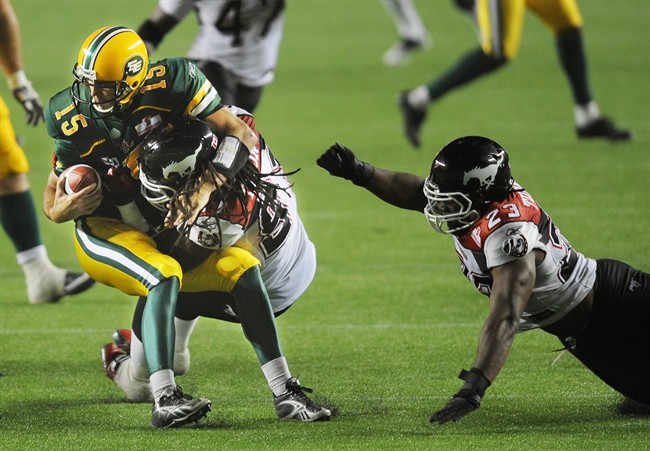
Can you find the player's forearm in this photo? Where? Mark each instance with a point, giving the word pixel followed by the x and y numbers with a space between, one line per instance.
pixel 10 49
pixel 398 188
pixel 494 345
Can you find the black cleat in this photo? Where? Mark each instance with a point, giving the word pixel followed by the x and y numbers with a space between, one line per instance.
pixel 413 119
pixel 603 128
pixel 76 283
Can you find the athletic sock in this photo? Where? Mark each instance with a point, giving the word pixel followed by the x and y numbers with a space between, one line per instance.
pixel 277 373
pixel 161 380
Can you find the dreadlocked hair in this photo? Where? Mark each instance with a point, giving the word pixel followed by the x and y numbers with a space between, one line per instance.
pixel 247 180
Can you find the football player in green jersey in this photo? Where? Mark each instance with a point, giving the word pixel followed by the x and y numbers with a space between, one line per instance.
pixel 500 24
pixel 117 98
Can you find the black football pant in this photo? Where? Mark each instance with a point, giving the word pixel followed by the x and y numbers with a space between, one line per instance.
pixel 615 345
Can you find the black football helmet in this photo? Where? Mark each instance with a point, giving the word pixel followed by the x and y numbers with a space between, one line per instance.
pixel 466 176
pixel 170 155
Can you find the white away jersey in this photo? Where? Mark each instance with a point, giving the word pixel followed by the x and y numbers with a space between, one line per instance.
pixel 243 36
pixel 281 243
pixel 511 229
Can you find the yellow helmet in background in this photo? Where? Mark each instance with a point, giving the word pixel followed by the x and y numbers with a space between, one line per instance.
pixel 113 60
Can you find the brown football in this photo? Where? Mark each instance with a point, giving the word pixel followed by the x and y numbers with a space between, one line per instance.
pixel 79 176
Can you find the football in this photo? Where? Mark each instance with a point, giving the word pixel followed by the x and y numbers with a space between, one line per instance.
pixel 79 176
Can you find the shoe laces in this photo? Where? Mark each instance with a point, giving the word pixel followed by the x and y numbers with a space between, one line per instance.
pixel 177 395
pixel 293 386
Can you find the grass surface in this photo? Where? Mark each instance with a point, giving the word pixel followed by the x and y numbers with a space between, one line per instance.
pixel 389 321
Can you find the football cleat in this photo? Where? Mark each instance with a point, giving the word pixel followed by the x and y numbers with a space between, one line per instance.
pixel 52 285
pixel 122 338
pixel 413 119
pixel 603 128
pixel 76 283
pixel 112 358
pixel 400 52
pixel 294 404
pixel 174 409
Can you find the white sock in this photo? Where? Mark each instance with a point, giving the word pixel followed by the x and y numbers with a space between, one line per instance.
pixel 38 252
pixel 160 380
pixel 181 351
pixel 277 373
pixel 419 98
pixel 584 114
pixel 45 281
pixel 184 330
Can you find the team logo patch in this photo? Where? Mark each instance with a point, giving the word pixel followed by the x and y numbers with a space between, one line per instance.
pixel 207 239
pixel 134 66
pixel 484 175
pixel 516 246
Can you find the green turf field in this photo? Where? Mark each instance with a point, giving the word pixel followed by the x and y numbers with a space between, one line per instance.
pixel 389 320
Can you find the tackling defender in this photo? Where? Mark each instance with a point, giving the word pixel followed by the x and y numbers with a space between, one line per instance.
pixel 258 213
pixel 512 252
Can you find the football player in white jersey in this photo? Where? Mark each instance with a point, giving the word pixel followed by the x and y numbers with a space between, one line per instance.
pixel 512 252
pixel 236 47
pixel 412 33
pixel 261 218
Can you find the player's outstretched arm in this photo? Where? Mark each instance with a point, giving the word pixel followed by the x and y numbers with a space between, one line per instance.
pixel 396 188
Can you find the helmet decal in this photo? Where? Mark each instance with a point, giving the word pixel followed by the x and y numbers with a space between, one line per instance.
pixel 133 66
pixel 486 175
pixel 182 168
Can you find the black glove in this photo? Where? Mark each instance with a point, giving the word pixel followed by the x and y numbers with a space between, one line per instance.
pixel 28 98
pixel 467 399
pixel 340 161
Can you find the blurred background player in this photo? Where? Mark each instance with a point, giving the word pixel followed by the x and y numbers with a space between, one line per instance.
pixel 236 47
pixel 45 282
pixel 500 24
pixel 412 33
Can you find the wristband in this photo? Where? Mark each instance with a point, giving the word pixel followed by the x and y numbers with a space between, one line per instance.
pixel 17 80
pixel 232 155
pixel 475 382
pixel 363 173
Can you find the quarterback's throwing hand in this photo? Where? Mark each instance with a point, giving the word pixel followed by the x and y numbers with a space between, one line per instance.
pixel 340 161
pixel 466 400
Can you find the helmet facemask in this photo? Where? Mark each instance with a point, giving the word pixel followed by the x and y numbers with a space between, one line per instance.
pixel 104 96
pixel 157 193
pixel 448 212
